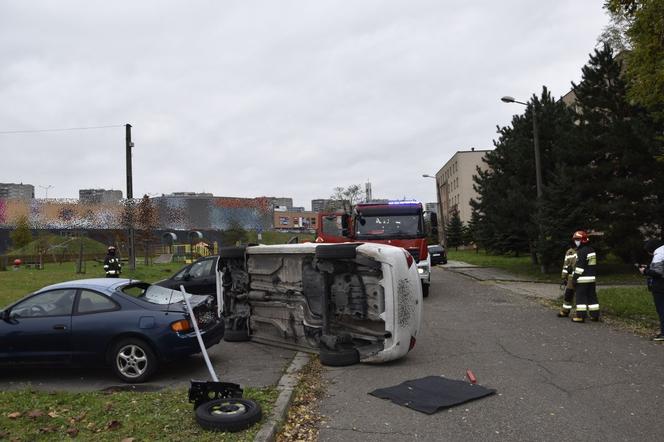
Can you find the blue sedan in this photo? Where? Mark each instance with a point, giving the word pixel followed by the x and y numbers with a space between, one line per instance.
pixel 131 325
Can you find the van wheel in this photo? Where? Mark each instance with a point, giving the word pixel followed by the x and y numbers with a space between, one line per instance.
pixel 425 290
pixel 338 358
pixel 336 251
pixel 240 335
pixel 232 252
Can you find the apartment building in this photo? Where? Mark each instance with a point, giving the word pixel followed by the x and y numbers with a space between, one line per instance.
pixel 99 196
pixel 326 205
pixel 17 191
pixel 454 184
pixel 294 220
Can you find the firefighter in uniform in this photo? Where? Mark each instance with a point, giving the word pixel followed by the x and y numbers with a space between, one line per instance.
pixel 112 265
pixel 568 281
pixel 587 304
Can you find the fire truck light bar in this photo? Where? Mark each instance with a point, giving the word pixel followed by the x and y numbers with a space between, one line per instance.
pixel 403 203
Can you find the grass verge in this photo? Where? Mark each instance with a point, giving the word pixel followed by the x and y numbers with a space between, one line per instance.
pixel 118 416
pixel 609 271
pixel 628 308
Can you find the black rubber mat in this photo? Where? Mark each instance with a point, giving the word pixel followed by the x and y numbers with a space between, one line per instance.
pixel 432 393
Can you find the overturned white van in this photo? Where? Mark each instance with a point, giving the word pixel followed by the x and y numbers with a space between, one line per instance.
pixel 349 302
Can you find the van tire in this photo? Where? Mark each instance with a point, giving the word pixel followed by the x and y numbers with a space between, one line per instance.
pixel 336 251
pixel 338 358
pixel 240 335
pixel 425 290
pixel 232 252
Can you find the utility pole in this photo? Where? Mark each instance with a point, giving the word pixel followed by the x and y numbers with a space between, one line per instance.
pixel 538 172
pixel 130 195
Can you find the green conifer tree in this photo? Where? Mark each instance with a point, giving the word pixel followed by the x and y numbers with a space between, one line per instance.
pixel 454 231
pixel 21 236
pixel 506 208
pixel 615 171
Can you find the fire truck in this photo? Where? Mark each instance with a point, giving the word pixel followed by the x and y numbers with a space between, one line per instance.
pixel 398 223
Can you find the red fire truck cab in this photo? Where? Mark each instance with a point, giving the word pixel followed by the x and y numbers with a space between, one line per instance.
pixel 398 223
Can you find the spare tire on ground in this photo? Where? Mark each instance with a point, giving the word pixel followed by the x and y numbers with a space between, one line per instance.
pixel 230 414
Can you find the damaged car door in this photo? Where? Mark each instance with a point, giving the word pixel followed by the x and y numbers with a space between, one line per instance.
pixel 349 302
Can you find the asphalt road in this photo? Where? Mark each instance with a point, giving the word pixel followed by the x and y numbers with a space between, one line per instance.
pixel 555 380
pixel 246 363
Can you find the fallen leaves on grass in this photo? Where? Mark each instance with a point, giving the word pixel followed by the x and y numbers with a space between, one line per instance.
pixel 77 418
pixel 303 417
pixel 113 425
pixel 72 432
pixel 34 414
pixel 48 429
pixel 14 415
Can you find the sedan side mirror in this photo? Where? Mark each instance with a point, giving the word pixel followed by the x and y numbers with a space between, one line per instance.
pixel 5 315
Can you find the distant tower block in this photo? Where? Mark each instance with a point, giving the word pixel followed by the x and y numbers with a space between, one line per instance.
pixel 367 190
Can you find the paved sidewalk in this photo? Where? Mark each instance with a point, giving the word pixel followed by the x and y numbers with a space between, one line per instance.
pixel 517 284
pixel 483 273
pixel 246 363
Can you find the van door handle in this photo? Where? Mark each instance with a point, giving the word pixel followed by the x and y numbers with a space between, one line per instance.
pixel 60 327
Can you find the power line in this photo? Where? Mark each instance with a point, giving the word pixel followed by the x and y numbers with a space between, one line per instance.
pixel 29 131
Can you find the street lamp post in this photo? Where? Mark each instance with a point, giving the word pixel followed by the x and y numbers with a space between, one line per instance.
pixel 538 166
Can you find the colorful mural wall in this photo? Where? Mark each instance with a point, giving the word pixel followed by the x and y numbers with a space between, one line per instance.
pixel 176 213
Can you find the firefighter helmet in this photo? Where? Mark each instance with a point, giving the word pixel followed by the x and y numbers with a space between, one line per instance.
pixel 111 249
pixel 580 235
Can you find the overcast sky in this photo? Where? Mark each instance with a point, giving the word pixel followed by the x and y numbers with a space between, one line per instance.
pixel 276 98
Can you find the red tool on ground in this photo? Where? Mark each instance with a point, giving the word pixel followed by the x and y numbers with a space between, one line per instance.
pixel 471 377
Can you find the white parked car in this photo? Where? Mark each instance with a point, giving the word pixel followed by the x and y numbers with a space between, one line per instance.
pixel 349 302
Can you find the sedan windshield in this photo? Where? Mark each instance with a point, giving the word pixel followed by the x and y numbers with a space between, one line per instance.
pixel 153 293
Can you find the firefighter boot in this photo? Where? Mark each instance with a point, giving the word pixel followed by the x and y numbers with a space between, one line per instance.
pixel 579 316
pixel 581 313
pixel 568 303
pixel 594 316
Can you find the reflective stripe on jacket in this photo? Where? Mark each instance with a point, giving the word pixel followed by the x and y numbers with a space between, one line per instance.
pixel 586 264
pixel 569 263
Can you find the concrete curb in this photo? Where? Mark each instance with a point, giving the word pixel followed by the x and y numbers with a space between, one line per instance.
pixel 286 388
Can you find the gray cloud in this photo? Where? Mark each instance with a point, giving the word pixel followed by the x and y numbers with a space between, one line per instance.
pixel 288 98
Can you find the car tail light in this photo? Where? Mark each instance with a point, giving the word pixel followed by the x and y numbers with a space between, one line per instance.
pixel 409 258
pixel 181 326
pixel 412 343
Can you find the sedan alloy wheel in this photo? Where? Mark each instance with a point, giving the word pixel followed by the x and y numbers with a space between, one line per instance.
pixel 134 361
